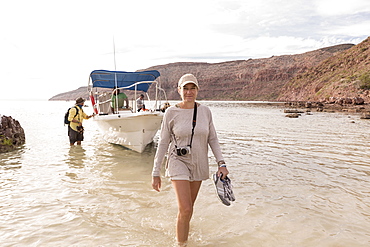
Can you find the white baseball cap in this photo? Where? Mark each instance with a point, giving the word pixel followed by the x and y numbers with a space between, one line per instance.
pixel 188 78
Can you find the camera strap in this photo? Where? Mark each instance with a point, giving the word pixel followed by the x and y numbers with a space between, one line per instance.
pixel 194 123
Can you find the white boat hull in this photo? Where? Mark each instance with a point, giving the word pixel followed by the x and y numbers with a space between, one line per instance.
pixel 131 130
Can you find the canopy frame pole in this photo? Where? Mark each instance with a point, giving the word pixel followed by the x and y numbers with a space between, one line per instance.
pixel 115 109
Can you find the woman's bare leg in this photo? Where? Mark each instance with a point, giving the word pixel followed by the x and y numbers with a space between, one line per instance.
pixel 186 193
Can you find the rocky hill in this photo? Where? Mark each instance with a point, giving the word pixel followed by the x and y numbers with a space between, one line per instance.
pixel 252 79
pixel 343 76
pixel 72 95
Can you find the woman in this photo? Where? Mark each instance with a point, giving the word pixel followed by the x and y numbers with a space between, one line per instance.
pixel 187 169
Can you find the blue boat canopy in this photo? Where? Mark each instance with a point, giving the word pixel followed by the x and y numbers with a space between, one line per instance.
pixel 120 79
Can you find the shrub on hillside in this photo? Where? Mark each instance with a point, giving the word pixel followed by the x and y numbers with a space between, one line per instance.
pixel 365 81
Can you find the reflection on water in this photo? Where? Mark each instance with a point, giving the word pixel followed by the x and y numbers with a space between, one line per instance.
pixel 12 160
pixel 76 156
pixel 298 182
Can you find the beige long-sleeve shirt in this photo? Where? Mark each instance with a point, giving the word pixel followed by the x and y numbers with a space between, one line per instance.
pixel 176 130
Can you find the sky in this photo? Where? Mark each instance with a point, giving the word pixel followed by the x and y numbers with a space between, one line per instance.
pixel 50 47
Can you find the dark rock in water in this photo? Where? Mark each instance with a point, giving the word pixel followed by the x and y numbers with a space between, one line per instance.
pixel 293 115
pixel 365 115
pixel 292 111
pixel 11 134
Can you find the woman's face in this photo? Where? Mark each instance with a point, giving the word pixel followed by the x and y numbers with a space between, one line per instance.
pixel 188 92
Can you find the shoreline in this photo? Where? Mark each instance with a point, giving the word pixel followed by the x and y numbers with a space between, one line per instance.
pixel 363 109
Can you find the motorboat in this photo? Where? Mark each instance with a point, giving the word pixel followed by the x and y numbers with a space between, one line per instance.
pixel 128 127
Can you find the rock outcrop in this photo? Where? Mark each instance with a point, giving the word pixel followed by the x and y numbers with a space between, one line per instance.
pixel 11 134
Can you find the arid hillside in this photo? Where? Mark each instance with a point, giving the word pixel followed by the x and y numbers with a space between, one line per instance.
pixel 344 75
pixel 252 79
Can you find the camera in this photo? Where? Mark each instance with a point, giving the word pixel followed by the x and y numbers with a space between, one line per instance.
pixel 181 151
pixel 80 129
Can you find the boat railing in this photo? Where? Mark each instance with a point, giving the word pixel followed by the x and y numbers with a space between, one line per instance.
pixel 104 100
pixel 104 103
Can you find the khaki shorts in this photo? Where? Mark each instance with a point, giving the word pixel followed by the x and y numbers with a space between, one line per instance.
pixel 183 177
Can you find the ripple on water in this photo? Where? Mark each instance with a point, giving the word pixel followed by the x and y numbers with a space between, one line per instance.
pixel 298 182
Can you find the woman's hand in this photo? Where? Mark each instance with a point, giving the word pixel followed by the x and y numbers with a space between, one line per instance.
pixel 156 183
pixel 222 170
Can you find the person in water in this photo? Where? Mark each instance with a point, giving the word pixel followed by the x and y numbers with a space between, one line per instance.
pixel 187 162
pixel 76 116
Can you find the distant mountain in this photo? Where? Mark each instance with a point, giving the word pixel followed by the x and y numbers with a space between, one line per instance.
pixel 344 75
pixel 252 79
pixel 83 92
pixel 72 95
